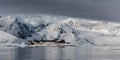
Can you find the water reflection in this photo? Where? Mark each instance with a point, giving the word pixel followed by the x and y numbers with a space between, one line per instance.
pixel 44 53
pixel 55 53
pixel 7 53
pixel 28 53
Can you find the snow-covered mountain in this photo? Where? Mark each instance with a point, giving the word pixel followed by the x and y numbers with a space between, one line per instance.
pixel 22 28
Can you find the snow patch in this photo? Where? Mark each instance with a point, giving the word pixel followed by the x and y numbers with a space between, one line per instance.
pixel 6 37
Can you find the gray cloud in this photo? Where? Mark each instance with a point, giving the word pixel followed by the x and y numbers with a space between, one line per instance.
pixel 94 9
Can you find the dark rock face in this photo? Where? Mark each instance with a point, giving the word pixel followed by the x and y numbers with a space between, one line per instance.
pixel 21 30
pixel 61 30
pixel 38 41
pixel 61 41
pixel 24 30
pixel 40 27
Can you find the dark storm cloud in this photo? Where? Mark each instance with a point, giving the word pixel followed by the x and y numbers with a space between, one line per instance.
pixel 96 9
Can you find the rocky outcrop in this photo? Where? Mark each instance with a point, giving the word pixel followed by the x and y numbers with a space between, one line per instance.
pixel 42 42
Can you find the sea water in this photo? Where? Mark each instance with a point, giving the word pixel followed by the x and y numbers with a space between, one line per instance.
pixel 59 53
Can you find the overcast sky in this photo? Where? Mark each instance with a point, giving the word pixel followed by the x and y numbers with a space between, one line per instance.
pixel 94 9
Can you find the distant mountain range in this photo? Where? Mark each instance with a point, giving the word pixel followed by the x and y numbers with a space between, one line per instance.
pixel 20 28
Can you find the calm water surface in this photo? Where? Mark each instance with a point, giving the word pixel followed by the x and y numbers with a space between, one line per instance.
pixel 55 53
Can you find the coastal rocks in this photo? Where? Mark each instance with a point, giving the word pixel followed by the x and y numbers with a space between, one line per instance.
pixel 52 43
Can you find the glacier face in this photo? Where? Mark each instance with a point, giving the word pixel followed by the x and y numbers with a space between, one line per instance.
pixel 23 28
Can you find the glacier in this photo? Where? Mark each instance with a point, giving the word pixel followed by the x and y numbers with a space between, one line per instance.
pixel 21 28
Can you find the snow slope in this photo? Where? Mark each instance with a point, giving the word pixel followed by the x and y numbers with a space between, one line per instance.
pixel 74 30
pixel 6 37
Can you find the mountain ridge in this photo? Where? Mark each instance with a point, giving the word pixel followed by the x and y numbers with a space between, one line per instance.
pixel 74 30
